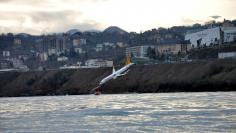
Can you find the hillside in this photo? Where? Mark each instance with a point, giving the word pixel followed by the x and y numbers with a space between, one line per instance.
pixel 114 29
pixel 201 76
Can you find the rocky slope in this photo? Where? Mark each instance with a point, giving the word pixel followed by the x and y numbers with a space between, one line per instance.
pixel 186 77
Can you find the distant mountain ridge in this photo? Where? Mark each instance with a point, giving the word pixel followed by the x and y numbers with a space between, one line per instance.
pixel 96 31
pixel 114 29
pixel 23 35
pixel 73 31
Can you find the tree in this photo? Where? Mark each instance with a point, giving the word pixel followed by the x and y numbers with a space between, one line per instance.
pixel 151 53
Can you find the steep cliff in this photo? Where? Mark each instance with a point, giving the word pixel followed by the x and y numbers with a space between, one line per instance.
pixel 185 77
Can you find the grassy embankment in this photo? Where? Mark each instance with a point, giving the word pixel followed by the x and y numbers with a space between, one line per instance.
pixel 186 77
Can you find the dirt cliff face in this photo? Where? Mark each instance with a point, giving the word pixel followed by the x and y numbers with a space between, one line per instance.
pixel 186 77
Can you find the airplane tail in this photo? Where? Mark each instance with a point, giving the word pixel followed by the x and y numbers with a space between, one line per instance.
pixel 128 60
pixel 113 70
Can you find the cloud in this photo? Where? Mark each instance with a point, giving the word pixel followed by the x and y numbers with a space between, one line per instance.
pixel 45 22
pixel 192 21
pixel 88 25
pixel 48 1
pixel 40 16
pixel 24 2
pixel 215 17
pixel 56 16
pixel 45 16
pixel 5 1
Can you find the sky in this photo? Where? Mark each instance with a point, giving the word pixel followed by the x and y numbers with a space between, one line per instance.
pixel 49 16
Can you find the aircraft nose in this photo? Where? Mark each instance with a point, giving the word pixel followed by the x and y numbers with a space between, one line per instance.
pixel 102 82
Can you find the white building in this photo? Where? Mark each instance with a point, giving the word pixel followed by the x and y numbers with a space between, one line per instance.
pixel 99 47
pixel 18 64
pixel 79 50
pixel 51 51
pixel 120 44
pixel 83 41
pixel 59 43
pixel 78 42
pixel 108 44
pixel 95 63
pixel 63 58
pixel 43 56
pixel 5 64
pixel 205 37
pixel 75 42
pixel 212 36
pixel 225 55
pixel 6 53
pixel 229 34
pixel 173 48
pixel 17 41
pixel 138 51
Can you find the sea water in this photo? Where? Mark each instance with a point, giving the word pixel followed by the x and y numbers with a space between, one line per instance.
pixel 161 112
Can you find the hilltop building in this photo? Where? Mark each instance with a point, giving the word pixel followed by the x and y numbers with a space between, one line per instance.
pixel 54 44
pixel 43 56
pixel 78 42
pixel 79 50
pixel 120 44
pixel 229 34
pixel 17 41
pixel 6 53
pixel 62 59
pixel 173 48
pixel 83 41
pixel 138 51
pixel 227 23
pixel 142 51
pixel 52 51
pixel 213 36
pixel 108 44
pixel 99 47
pixel 206 37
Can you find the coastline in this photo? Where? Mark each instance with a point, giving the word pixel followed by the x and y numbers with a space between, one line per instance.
pixel 219 75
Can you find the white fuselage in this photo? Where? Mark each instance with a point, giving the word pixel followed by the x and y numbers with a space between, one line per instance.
pixel 116 74
pixel 7 70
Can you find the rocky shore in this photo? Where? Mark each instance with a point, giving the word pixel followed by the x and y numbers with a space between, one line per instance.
pixel 181 77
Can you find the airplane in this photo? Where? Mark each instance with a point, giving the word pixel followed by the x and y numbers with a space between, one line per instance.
pixel 121 72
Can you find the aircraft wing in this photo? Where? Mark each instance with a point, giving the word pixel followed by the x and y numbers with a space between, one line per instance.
pixel 120 75
pixel 123 74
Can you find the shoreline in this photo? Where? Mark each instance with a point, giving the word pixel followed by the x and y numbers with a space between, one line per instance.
pixel 211 76
pixel 120 94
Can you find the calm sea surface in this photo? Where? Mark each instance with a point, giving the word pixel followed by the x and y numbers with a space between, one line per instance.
pixel 170 112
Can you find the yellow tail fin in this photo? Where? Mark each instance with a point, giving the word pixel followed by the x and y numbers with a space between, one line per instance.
pixel 113 70
pixel 128 60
